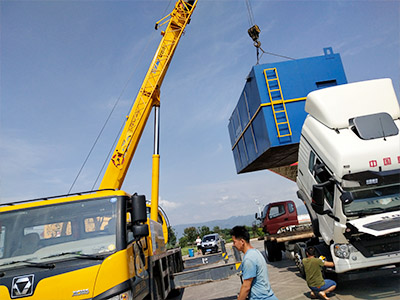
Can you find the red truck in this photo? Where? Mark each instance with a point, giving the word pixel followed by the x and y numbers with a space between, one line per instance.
pixel 282 229
pixel 279 215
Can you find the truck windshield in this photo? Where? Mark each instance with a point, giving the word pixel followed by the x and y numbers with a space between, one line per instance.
pixel 80 228
pixel 373 200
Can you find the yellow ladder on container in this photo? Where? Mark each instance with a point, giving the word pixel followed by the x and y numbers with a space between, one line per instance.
pixel 277 102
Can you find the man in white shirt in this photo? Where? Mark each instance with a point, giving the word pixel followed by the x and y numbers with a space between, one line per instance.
pixel 198 243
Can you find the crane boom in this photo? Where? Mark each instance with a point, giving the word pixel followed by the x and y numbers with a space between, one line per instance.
pixel 148 96
pixel 109 224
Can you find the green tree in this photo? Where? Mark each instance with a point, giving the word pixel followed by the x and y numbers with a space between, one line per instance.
pixel 260 232
pixel 191 234
pixel 250 230
pixel 204 230
pixel 216 229
pixel 183 241
pixel 254 230
pixel 225 233
pixel 171 237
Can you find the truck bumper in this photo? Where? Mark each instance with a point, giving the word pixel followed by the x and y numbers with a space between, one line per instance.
pixel 357 261
pixel 368 273
pixel 209 249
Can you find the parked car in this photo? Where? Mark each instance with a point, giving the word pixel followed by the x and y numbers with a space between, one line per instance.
pixel 211 243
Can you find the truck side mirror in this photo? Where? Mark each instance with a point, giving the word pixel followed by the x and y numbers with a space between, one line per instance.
pixel 317 196
pixel 139 216
pixel 140 230
pixel 318 169
pixel 259 216
pixel 139 213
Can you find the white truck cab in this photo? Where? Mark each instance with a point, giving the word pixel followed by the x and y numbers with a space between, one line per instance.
pixel 349 174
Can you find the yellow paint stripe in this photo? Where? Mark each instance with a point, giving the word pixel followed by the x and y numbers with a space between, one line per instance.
pixel 237 265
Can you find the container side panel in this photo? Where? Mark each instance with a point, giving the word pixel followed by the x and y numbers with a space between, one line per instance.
pixel 243 112
pixel 273 101
pixel 242 152
pixel 236 157
pixel 250 145
pixel 231 131
pixel 261 134
pixel 253 93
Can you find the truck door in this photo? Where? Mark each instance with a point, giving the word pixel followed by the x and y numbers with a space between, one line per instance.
pixel 277 217
pixel 292 213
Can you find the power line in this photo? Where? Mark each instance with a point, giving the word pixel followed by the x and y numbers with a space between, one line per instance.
pixel 109 116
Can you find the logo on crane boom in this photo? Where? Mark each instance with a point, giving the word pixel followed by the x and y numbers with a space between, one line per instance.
pixel 118 159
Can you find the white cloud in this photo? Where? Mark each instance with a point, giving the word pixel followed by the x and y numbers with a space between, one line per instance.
pixel 170 205
pixel 231 197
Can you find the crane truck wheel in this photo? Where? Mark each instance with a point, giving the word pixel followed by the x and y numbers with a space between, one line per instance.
pixel 156 293
pixel 175 293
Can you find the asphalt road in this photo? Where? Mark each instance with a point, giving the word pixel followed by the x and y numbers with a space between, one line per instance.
pixel 288 285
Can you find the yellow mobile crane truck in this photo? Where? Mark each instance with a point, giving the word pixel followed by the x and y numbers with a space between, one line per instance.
pixel 104 244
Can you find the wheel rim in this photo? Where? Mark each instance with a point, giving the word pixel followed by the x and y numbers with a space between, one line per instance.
pixel 299 262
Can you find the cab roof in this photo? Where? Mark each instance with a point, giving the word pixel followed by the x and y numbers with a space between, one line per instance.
pixel 60 199
pixel 335 106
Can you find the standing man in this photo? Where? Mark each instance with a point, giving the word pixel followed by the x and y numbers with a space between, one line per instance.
pixel 315 281
pixel 254 268
pixel 198 243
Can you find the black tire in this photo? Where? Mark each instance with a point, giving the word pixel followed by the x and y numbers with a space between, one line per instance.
pixel 267 248
pixel 278 251
pixel 156 289
pixel 272 251
pixel 298 259
pixel 175 293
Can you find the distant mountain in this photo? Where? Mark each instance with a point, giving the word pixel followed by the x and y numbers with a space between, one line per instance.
pixel 227 223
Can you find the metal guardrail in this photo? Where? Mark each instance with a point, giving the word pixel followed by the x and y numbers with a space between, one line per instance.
pixel 207 268
pixel 203 275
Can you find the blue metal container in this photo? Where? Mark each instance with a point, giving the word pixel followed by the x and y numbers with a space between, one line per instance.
pixel 265 125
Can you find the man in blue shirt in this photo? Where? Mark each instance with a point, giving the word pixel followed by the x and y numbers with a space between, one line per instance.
pixel 254 268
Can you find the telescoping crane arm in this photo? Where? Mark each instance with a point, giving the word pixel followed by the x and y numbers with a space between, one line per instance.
pixel 148 96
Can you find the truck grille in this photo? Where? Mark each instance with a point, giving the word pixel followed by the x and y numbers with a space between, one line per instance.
pixel 384 224
pixel 370 245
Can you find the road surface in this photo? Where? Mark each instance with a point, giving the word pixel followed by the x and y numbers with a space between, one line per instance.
pixel 288 285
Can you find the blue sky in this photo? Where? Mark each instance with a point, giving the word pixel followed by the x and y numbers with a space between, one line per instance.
pixel 65 63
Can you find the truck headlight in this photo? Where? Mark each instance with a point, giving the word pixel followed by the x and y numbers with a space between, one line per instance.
pixel 342 250
pixel 123 296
